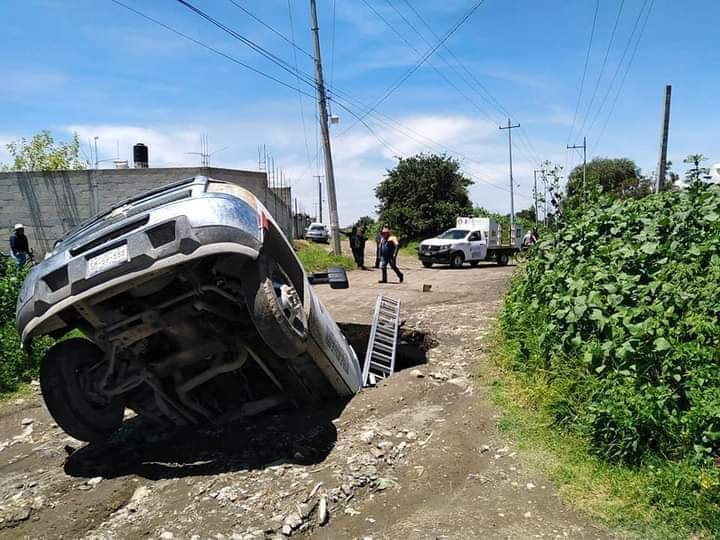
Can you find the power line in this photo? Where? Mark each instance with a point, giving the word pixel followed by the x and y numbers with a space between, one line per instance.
pixel 302 111
pixel 618 67
pixel 250 43
pixel 291 87
pixel 422 60
pixel 587 59
pixel 209 48
pixel 282 36
pixel 481 89
pixel 627 70
pixel 602 67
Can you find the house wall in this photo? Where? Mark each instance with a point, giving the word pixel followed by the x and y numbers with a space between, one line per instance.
pixel 51 203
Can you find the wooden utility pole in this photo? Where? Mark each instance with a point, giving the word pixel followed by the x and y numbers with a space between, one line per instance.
pixel 324 128
pixel 510 127
pixel 535 192
pixel 584 147
pixel 662 162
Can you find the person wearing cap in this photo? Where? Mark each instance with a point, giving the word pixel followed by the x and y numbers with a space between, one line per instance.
pixel 19 248
pixel 389 246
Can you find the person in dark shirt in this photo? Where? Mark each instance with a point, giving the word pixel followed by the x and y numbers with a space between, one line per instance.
pixel 19 248
pixel 357 244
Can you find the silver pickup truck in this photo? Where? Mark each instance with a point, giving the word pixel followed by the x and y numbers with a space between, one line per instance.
pixel 193 308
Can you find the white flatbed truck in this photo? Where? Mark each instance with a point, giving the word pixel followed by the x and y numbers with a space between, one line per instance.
pixel 472 240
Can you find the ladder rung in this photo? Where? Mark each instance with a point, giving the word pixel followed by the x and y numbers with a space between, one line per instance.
pixel 383 347
pixel 381 355
pixel 379 366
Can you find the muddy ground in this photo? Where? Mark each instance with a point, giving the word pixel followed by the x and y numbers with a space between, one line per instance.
pixel 419 456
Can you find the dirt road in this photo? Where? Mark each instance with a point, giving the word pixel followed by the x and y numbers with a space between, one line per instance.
pixel 417 457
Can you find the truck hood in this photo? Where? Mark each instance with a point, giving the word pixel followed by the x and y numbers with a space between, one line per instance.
pixel 439 242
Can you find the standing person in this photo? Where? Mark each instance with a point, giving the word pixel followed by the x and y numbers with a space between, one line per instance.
pixel 357 245
pixel 19 248
pixel 378 240
pixel 389 246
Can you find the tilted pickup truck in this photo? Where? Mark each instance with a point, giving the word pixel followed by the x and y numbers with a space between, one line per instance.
pixel 194 309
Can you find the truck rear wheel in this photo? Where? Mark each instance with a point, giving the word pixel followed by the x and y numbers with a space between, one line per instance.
pixel 457 260
pixel 427 264
pixel 69 374
pixel 502 259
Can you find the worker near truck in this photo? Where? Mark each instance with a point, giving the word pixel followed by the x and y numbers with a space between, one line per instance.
pixel 19 247
pixel 389 246
pixel 530 238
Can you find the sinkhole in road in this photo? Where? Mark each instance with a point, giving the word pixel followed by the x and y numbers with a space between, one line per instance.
pixel 413 344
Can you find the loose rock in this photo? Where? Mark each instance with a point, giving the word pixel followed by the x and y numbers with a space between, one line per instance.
pixel 323 513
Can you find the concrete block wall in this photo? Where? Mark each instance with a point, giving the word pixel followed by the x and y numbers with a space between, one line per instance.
pixel 51 203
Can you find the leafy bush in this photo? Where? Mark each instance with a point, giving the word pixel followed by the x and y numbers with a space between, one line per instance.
pixel 620 314
pixel 16 365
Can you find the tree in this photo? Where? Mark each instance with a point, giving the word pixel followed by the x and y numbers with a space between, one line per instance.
pixel 42 153
pixel 617 178
pixel 423 195
pixel 365 223
pixel 696 174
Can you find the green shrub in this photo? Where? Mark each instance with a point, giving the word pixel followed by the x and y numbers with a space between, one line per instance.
pixel 16 365
pixel 619 312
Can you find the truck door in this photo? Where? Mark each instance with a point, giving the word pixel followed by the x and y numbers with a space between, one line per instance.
pixel 478 247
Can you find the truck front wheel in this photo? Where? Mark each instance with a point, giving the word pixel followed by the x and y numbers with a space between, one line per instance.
pixel 70 374
pixel 457 260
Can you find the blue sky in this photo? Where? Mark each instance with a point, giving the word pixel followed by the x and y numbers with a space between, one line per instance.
pixel 93 67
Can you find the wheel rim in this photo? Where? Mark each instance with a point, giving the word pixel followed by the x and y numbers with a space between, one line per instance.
pixel 291 306
pixel 457 260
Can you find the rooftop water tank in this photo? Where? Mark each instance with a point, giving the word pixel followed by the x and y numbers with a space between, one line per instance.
pixel 140 156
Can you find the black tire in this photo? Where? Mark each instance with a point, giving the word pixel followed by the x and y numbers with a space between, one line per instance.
pixel 502 259
pixel 275 308
pixel 474 263
pixel 427 264
pixel 65 377
pixel 457 259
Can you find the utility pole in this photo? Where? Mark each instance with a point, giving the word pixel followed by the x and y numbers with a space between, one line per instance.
pixel 584 147
pixel 319 179
pixel 535 192
pixel 510 127
pixel 96 154
pixel 324 128
pixel 662 164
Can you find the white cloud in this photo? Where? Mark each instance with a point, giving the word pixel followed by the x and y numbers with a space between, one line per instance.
pixel 360 158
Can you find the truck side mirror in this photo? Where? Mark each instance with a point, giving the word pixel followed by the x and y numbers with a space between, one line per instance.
pixel 335 276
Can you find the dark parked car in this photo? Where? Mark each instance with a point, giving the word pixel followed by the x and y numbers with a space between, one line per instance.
pixel 194 309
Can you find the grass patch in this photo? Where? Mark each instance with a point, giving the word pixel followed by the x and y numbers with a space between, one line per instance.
pixel 411 248
pixel 661 499
pixel 317 258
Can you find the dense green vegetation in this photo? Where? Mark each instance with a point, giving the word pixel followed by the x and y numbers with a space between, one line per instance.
pixel 16 365
pixel 423 195
pixel 615 321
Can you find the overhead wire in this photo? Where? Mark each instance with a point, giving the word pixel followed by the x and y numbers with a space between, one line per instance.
pixel 481 89
pixel 627 70
pixel 212 49
pixel 359 118
pixel 282 36
pixel 602 67
pixel 618 68
pixel 300 98
pixel 422 60
pixel 582 80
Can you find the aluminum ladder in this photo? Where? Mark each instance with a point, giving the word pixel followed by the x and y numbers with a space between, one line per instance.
pixel 380 354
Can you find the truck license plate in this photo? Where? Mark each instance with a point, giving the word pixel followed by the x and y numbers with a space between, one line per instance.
pixel 107 260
